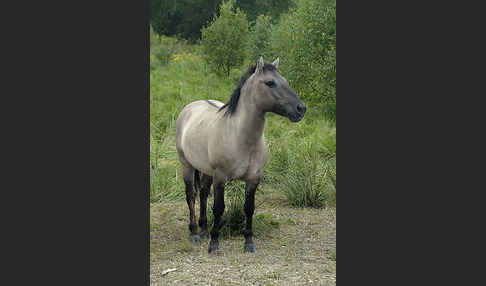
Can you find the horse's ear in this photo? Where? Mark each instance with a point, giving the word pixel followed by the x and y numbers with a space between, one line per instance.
pixel 259 66
pixel 275 63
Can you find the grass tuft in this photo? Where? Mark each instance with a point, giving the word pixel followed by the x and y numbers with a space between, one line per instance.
pixel 303 162
pixel 234 218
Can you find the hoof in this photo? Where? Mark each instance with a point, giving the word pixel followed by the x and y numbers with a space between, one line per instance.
pixel 204 234
pixel 250 247
pixel 213 247
pixel 195 239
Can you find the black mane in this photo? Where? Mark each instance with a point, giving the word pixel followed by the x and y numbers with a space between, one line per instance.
pixel 235 96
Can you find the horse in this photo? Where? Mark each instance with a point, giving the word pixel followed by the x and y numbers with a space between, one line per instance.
pixel 226 142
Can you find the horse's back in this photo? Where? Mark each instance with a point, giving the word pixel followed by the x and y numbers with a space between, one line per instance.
pixel 201 110
pixel 193 129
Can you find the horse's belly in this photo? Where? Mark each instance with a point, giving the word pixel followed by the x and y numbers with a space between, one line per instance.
pixel 246 168
pixel 196 152
pixel 239 171
pixel 199 162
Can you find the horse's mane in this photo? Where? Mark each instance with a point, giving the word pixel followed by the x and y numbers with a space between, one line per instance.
pixel 235 96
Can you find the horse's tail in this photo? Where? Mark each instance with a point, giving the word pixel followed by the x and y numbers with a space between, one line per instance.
pixel 197 180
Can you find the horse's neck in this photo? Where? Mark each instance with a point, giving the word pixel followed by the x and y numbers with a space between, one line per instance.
pixel 249 122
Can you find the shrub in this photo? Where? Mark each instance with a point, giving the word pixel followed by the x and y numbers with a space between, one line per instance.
pixel 305 39
pixel 223 41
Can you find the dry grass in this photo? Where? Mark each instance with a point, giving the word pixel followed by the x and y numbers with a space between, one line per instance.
pixel 301 251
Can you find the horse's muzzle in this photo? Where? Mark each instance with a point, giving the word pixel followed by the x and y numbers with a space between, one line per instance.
pixel 299 113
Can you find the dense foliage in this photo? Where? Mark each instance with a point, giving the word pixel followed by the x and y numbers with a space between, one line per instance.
pixel 272 8
pixel 185 18
pixel 182 18
pixel 258 42
pixel 223 41
pixel 305 39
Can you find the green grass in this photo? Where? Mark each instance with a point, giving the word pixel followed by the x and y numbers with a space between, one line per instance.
pixel 302 163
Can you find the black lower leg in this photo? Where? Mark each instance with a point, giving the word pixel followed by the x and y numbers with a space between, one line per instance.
pixel 190 199
pixel 203 196
pixel 218 209
pixel 250 190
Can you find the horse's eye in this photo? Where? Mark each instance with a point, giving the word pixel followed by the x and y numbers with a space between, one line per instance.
pixel 270 83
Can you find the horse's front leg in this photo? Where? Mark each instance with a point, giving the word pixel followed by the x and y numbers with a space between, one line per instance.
pixel 250 190
pixel 218 209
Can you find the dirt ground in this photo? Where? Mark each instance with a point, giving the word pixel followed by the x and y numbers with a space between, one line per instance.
pixel 300 251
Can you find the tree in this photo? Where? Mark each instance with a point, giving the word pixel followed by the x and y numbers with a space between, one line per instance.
pixel 305 39
pixel 272 8
pixel 223 41
pixel 183 18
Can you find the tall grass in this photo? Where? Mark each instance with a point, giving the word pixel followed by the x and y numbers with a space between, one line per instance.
pixel 310 181
pixel 302 161
pixel 163 49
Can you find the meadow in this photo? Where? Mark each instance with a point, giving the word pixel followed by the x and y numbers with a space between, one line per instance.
pixel 294 220
pixel 302 161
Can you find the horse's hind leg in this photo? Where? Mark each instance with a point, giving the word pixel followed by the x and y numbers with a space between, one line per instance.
pixel 218 209
pixel 188 176
pixel 250 189
pixel 203 196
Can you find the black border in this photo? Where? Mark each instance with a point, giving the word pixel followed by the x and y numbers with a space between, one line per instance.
pixel 410 152
pixel 75 106
pixel 75 143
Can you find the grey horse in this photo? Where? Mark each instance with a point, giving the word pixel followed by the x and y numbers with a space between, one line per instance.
pixel 226 142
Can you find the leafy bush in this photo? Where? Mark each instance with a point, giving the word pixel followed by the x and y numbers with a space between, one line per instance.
pixel 259 39
pixel 272 8
pixel 223 41
pixel 281 43
pixel 305 39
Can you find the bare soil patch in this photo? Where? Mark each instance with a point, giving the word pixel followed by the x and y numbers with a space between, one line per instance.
pixel 301 251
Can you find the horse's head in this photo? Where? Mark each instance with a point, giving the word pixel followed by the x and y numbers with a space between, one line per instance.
pixel 273 93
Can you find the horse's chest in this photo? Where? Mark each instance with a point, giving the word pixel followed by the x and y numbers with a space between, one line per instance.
pixel 237 160
pixel 249 166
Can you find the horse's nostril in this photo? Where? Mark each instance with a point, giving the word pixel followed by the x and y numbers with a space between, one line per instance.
pixel 301 108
